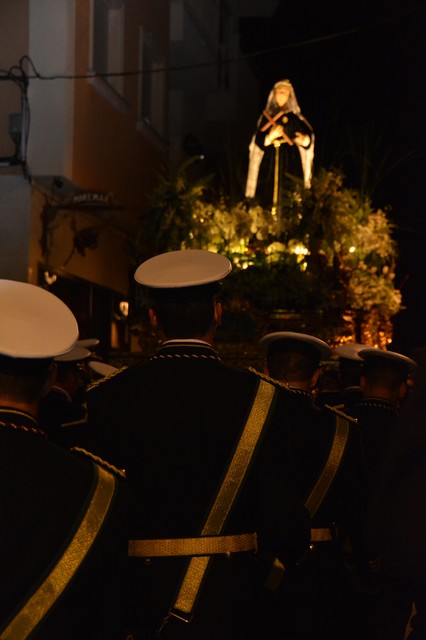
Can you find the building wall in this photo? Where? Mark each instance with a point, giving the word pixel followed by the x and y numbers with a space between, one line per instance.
pixel 82 138
pixel 115 151
pixel 15 220
pixel 51 51
pixel 89 135
pixel 106 264
pixel 13 43
pixel 15 191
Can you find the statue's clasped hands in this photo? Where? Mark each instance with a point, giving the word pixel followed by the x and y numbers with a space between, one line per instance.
pixel 275 132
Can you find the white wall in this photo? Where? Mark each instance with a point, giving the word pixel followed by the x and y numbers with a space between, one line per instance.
pixel 51 49
pixel 15 213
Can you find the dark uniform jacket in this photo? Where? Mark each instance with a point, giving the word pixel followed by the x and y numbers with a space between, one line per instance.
pixel 43 491
pixel 64 420
pixel 344 398
pixel 318 599
pixel 351 395
pixel 378 420
pixel 311 437
pixel 397 525
pixel 397 528
pixel 173 424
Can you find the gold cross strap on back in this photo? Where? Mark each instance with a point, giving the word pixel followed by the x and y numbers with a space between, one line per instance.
pixel 188 591
pixel 40 601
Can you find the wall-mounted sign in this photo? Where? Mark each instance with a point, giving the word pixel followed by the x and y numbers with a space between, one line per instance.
pixel 91 200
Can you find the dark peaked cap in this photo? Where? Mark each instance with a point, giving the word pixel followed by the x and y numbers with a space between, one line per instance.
pixel 183 275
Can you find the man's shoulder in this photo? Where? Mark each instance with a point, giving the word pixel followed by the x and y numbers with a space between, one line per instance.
pixel 340 411
pixel 280 386
pixel 116 377
pixel 87 456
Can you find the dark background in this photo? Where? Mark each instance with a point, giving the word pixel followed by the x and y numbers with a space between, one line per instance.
pixel 358 70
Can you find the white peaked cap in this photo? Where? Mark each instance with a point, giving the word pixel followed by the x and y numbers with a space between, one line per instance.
pixel 88 343
pixel 293 337
pixel 178 269
pixel 350 351
pixel 405 363
pixel 33 322
pixel 74 355
pixel 102 368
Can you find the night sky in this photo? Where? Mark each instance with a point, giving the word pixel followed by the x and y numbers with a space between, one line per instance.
pixel 359 72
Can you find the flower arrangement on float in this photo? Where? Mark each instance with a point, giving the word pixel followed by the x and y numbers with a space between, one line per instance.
pixel 327 261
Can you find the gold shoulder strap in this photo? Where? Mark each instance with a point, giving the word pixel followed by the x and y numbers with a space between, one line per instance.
pixel 91 519
pixel 322 485
pixel 225 499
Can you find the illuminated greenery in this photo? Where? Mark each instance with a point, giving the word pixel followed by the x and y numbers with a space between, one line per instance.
pixel 329 252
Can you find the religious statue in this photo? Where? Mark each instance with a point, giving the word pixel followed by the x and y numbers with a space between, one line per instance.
pixel 281 149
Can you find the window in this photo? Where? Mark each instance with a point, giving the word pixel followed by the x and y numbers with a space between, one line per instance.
pixel 152 107
pixel 108 41
pixel 146 85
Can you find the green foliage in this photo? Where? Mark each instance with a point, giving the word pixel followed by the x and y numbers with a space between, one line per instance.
pixel 327 251
pixel 171 218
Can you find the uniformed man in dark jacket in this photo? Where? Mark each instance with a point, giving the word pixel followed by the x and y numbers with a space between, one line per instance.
pixel 384 385
pixel 398 526
pixel 206 455
pixel 318 600
pixel 63 533
pixel 350 369
pixel 395 452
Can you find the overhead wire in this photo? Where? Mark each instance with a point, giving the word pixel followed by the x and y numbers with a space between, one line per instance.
pixel 236 59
